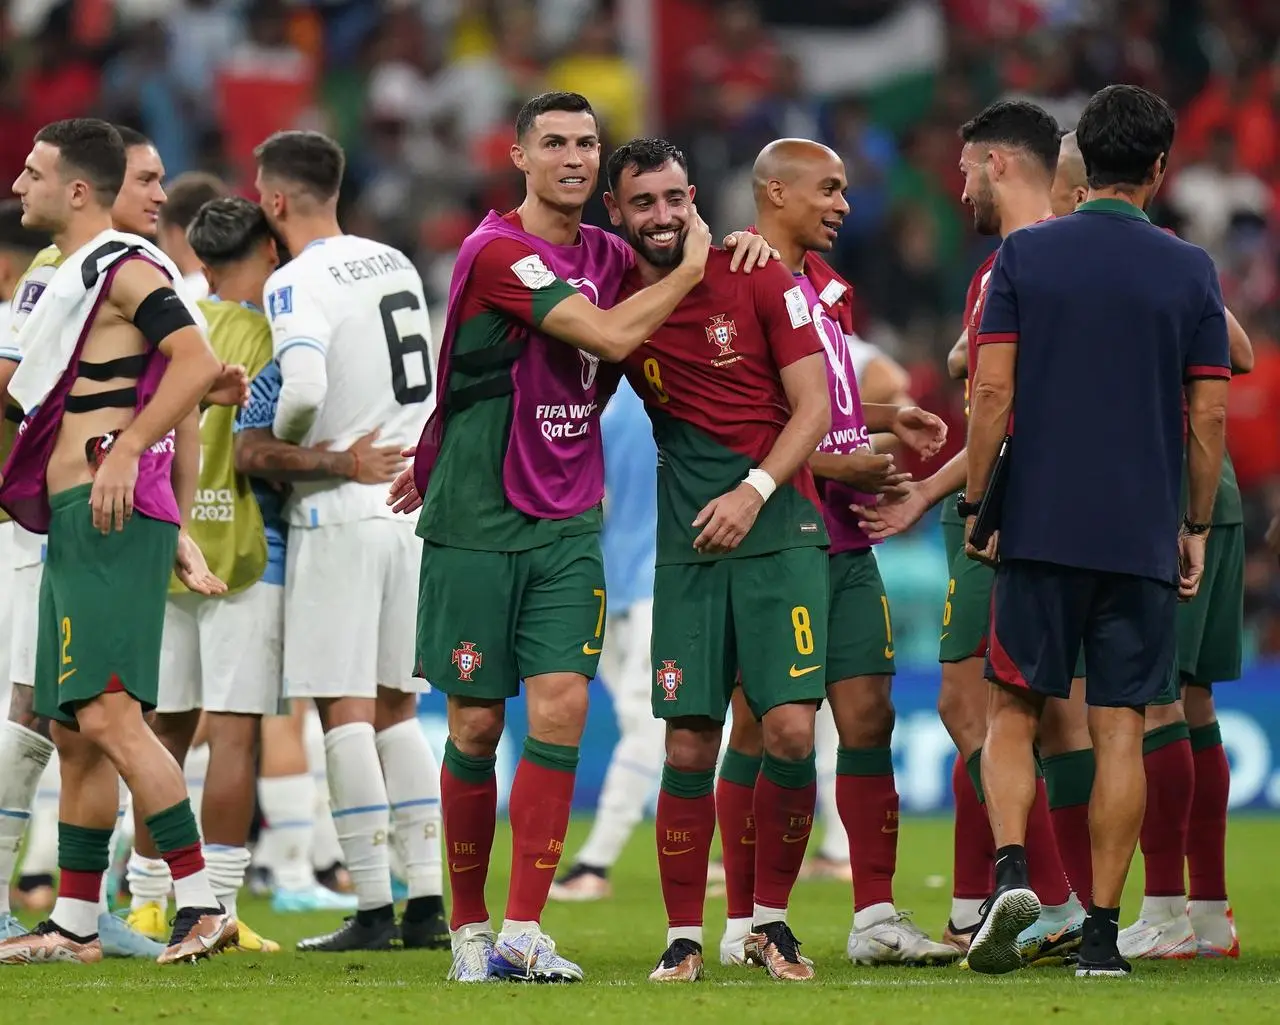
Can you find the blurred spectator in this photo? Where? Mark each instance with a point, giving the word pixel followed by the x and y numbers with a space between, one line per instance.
pixel 594 67
pixel 1208 194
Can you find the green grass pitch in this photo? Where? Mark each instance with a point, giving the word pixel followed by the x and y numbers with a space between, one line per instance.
pixel 618 941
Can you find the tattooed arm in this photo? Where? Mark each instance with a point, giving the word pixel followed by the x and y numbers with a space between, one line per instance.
pixel 259 453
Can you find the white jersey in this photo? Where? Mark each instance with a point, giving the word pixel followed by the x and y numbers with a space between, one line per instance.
pixel 196 285
pixel 361 304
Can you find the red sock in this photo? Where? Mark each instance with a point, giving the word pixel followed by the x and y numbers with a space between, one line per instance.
pixel 1071 827
pixel 975 847
pixel 685 824
pixel 541 796
pixel 85 886
pixel 867 801
pixel 1170 785
pixel 469 809
pixel 1044 863
pixel 1207 838
pixel 183 862
pixel 735 811
pixel 784 820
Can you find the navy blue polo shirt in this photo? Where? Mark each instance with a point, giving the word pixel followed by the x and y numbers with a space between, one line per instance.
pixel 1111 316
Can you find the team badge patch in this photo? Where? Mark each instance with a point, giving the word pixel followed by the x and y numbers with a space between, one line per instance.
pixel 670 676
pixel 467 659
pixel 31 292
pixel 532 272
pixel 280 301
pixel 721 331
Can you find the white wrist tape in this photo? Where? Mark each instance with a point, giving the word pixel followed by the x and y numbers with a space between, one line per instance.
pixel 761 481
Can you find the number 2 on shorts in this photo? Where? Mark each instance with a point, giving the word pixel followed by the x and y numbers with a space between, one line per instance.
pixel 66 640
pixel 803 630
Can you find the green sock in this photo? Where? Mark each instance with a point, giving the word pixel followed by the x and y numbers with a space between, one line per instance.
pixel 864 761
pixel 1203 737
pixel 679 783
pixel 81 849
pixel 467 768
pixel 1068 778
pixel 1163 736
pixel 788 774
pixel 559 757
pixel 174 828
pixel 735 767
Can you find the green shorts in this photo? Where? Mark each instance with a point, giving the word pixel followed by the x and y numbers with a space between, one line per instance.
pixel 1211 625
pixel 861 632
pixel 102 600
pixel 487 620
pixel 966 613
pixel 765 616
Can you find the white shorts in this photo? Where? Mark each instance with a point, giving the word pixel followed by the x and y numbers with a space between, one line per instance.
pixel 6 611
pixel 351 609
pixel 223 654
pixel 26 559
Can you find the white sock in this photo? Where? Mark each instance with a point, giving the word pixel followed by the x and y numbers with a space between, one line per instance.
pixel 835 841
pixel 194 770
pixel 510 927
pixel 149 881
pixel 874 915
pixel 78 917
pixel 23 757
pixel 195 891
pixel 736 929
pixel 1163 909
pixel 762 915
pixel 226 867
pixel 1208 907
pixel 325 849
pixel 685 932
pixel 288 804
pixel 965 912
pixel 634 770
pixel 413 790
pixel 358 797
pixel 41 855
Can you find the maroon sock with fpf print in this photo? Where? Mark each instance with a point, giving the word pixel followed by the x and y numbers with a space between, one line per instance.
pixel 469 810
pixel 686 823
pixel 541 796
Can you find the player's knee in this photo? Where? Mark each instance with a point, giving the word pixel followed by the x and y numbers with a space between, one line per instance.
pixel 557 708
pixel 1163 715
pixel 963 711
pixel 394 707
pixel 745 736
pixel 694 748
pixel 788 731
pixel 1197 703
pixel 477 729
pixel 863 711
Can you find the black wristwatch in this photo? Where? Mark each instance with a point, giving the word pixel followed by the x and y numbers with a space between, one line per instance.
pixel 966 509
pixel 1195 528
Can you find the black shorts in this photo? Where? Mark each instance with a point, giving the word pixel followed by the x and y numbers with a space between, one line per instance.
pixel 1041 614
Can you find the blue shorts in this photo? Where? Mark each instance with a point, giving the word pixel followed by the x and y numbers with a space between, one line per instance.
pixel 1041 614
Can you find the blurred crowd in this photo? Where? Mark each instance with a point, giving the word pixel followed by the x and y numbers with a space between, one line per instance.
pixel 422 94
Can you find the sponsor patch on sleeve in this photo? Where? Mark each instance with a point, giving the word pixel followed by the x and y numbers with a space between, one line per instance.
pixel 280 301
pixel 532 272
pixel 797 307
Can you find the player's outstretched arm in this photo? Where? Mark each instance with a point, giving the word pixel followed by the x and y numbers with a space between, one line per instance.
pixel 1240 347
pixel 924 433
pixel 615 333
pixel 863 470
pixel 958 358
pixel 259 453
pixel 913 500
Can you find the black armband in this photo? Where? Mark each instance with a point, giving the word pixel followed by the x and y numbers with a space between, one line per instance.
pixel 161 314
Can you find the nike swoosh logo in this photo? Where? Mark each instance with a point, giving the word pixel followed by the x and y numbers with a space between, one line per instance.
pixel 746 839
pixel 894 944
pixel 1054 937
pixel 787 838
pixel 672 854
pixel 805 671
pixel 64 677
pixel 456 869
pixel 209 942
pixel 588 650
pixel 886 829
pixel 945 636
pixel 539 864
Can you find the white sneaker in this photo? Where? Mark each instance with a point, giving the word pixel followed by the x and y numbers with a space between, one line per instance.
pixel 733 942
pixel 1171 940
pixel 530 956
pixel 1215 928
pixel 472 945
pixel 897 940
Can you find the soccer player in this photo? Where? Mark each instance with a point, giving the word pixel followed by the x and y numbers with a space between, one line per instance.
pixel 1008 159
pixel 628 544
pixel 113 450
pixel 221 654
pixel 348 638
pixel 1186 767
pixel 800 205
pixel 186 194
pixel 735 387
pixel 1072 570
pixel 23 738
pixel 509 475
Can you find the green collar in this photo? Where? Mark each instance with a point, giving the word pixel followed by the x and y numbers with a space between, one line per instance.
pixel 1114 206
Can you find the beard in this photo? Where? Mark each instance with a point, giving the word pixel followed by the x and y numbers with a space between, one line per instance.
pixel 986 219
pixel 664 258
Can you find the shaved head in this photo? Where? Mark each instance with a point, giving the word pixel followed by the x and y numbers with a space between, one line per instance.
pixel 785 160
pixel 1070 181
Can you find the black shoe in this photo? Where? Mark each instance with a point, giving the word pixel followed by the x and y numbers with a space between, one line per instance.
pixel 1110 966
pixel 579 870
pixel 774 947
pixel 994 950
pixel 426 933
pixel 680 962
pixel 352 935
